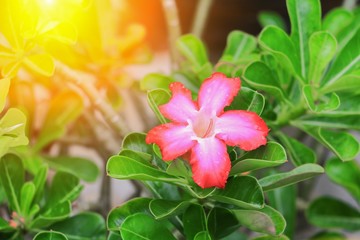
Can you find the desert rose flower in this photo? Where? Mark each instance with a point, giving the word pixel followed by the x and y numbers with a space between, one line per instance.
pixel 202 129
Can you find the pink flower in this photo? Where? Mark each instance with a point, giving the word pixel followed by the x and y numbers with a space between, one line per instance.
pixel 203 129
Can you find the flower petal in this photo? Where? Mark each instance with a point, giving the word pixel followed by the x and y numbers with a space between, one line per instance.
pixel 242 128
pixel 181 107
pixel 173 139
pixel 210 163
pixel 217 92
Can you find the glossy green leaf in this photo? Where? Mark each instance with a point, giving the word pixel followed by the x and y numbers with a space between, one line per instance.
pixel 284 201
pixel 155 81
pixel 64 187
pixel 260 77
pixel 55 214
pixel 26 197
pixel 63 109
pixel 347 32
pixel 298 174
pixel 270 155
pixel 277 42
pixel 12 130
pixel 180 168
pixel 266 220
pixel 336 19
pixel 4 89
pixel 41 63
pixel 327 212
pixel 194 221
pixel 221 222
pixel 328 104
pixel 121 167
pixel 39 182
pixel 117 215
pixel 345 62
pixel 349 105
pixel 136 142
pixel 343 144
pixel 267 18
pixel 202 236
pixel 162 208
pixel 50 235
pixel 299 153
pixel 141 226
pixel 237 235
pixel 248 99
pixel 80 167
pixel 322 48
pixel 249 196
pixel 305 18
pixel 86 225
pixel 156 98
pixel 139 156
pixel 351 122
pixel 12 178
pixel 114 236
pixel 348 82
pixel 346 174
pixel 328 236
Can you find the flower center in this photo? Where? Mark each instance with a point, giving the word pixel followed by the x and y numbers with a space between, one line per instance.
pixel 204 127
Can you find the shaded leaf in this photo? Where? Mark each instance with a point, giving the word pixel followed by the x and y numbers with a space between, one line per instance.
pixel 267 18
pixel 50 235
pixel 156 98
pixel 155 81
pixel 221 222
pixel 161 208
pixel 194 214
pixel 336 20
pixel 248 99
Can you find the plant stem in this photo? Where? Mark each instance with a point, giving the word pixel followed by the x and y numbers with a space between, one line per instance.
pixel 201 15
pixel 349 4
pixel 174 29
pixel 85 82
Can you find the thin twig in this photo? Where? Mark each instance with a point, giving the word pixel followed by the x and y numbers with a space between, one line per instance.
pixel 174 29
pixel 85 82
pixel 201 15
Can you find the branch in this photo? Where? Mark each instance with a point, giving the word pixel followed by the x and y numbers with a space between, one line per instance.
pixel 202 12
pixel 174 29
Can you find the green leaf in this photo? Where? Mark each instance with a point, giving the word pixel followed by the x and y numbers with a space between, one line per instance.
pixel 284 200
pixel 194 221
pixel 249 100
pixel 347 32
pixel 136 142
pixel 12 178
pixel 80 167
pixel 161 208
pixel 351 122
pixel 155 81
pixel 267 237
pixel 12 130
pixel 121 167
pixel 347 82
pixel 305 18
pixel 86 225
pixel 64 187
pixel 349 105
pixel 322 48
pixel 141 226
pixel 221 222
pixel 299 153
pixel 156 98
pixel 26 197
pixel 266 220
pixel 345 62
pixel 63 109
pixel 336 20
pixel 4 226
pixel 328 236
pixel 260 76
pixel 202 236
pixel 346 174
pixel 41 63
pixel 4 89
pixel 327 212
pixel 114 236
pixel 39 182
pixel 343 144
pixel 249 196
pixel 268 18
pixel 328 104
pixel 117 215
pixel 55 214
pixel 277 42
pixel 50 235
pixel 270 155
pixel 298 174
